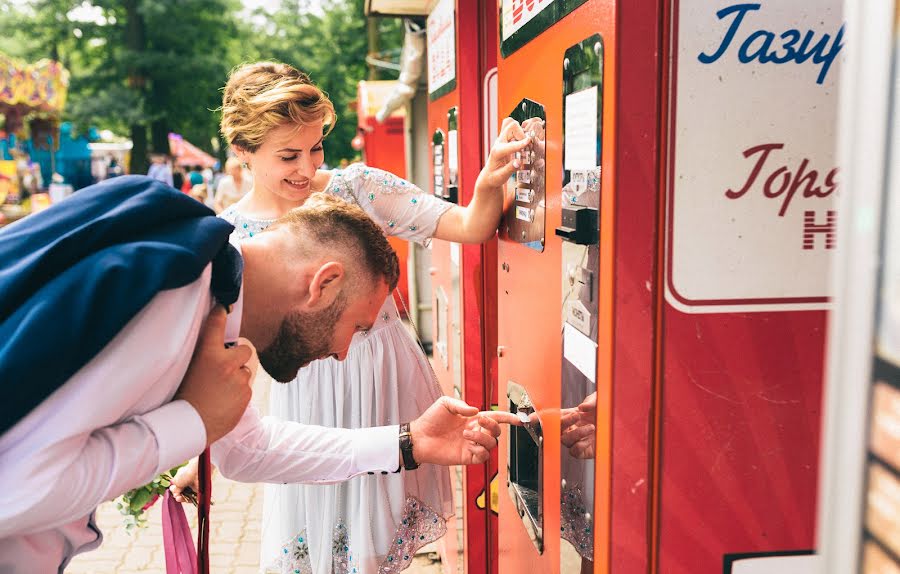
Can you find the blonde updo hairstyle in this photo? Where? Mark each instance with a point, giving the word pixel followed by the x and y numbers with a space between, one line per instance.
pixel 263 96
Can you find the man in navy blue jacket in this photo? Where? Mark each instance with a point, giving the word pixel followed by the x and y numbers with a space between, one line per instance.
pixel 115 368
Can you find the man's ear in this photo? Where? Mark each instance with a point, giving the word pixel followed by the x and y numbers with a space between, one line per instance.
pixel 326 283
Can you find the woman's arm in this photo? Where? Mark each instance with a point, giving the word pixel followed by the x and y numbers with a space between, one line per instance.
pixel 478 221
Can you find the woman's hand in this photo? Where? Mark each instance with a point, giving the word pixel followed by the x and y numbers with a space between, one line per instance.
pixel 502 162
pixel 478 221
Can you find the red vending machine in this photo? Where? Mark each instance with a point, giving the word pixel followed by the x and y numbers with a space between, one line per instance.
pixel 384 147
pixel 461 39
pixel 663 282
pixel 460 82
pixel 556 77
pixel 750 180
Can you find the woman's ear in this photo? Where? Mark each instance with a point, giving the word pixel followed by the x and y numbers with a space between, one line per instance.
pixel 242 154
pixel 326 283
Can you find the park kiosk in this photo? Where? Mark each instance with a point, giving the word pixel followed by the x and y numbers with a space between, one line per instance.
pixel 32 96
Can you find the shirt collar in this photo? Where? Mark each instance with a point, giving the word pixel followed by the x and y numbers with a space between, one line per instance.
pixel 233 320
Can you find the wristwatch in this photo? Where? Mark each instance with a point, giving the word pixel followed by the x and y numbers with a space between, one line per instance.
pixel 406 448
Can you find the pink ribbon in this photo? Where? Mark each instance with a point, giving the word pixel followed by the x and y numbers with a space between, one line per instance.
pixel 204 500
pixel 181 557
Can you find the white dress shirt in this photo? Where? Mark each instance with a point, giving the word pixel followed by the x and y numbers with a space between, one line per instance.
pixel 114 426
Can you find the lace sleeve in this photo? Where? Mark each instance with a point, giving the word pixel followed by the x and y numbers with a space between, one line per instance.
pixel 400 208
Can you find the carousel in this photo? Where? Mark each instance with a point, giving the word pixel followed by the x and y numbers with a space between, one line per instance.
pixel 32 97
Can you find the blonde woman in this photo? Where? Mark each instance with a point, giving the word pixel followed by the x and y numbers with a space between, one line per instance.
pixel 276 121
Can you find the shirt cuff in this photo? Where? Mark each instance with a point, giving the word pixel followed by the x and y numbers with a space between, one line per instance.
pixel 377 448
pixel 179 431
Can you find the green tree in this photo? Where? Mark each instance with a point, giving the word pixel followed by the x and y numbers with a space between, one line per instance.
pixel 331 46
pixel 37 30
pixel 149 67
pixel 142 67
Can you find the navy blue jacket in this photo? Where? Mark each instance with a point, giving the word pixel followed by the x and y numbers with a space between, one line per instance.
pixel 72 276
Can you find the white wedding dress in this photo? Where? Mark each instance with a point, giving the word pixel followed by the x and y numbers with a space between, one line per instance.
pixel 370 524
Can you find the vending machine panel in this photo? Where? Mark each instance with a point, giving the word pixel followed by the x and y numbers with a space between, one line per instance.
pixel 522 21
pixel 526 464
pixel 437 159
pixel 523 220
pixel 579 229
pixel 451 192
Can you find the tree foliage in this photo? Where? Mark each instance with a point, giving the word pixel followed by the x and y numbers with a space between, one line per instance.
pixel 330 46
pixel 144 68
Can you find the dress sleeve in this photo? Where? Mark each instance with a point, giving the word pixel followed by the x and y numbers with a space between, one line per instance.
pixel 399 207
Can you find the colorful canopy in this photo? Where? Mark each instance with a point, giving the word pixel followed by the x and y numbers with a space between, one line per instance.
pixel 187 154
pixel 36 87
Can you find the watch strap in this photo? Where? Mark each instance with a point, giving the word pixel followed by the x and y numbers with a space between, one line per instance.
pixel 406 448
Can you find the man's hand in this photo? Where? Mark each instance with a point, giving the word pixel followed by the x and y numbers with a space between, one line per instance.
pixel 186 478
pixel 217 382
pixel 452 432
pixel 578 428
pixel 185 485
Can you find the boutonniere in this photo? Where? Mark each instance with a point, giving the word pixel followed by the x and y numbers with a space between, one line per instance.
pixel 135 503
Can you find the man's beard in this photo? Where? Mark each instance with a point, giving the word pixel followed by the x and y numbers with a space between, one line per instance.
pixel 302 338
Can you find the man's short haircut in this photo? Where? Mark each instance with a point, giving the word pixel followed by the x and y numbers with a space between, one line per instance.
pixel 329 222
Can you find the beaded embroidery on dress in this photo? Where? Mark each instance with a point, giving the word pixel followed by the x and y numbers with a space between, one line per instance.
pixel 295 554
pixel 341 554
pixel 295 559
pixel 398 217
pixel 575 527
pixel 421 525
pixel 377 180
pixel 244 227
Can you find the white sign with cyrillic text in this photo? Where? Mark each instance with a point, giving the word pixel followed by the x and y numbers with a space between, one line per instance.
pixel 751 216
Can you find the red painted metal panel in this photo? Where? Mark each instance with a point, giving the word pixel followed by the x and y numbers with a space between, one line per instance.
pixel 739 409
pixel 638 294
pixel 490 41
pixel 385 147
pixel 740 435
pixel 478 312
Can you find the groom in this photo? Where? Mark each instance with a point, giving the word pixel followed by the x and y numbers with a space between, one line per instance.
pixel 114 364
